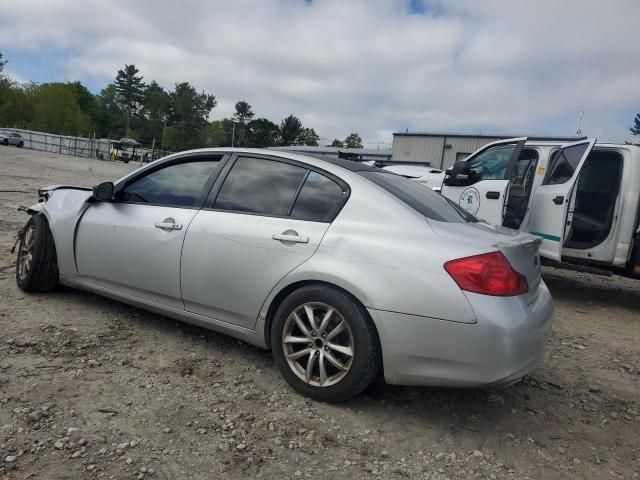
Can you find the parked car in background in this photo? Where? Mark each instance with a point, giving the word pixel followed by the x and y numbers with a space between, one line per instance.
pixel 11 138
pixel 341 269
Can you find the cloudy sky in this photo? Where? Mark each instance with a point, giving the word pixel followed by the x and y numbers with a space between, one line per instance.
pixel 369 66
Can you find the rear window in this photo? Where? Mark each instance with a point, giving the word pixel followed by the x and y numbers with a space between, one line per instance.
pixel 422 199
pixel 318 200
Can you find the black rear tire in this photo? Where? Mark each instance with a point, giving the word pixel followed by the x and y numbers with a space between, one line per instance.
pixel 39 272
pixel 366 360
pixel 5 142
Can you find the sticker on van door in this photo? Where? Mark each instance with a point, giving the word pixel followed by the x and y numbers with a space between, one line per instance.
pixel 470 200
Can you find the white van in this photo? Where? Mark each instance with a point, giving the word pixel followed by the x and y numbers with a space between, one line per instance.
pixel 581 198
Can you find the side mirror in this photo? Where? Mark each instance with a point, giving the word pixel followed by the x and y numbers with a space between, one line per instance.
pixel 459 174
pixel 103 192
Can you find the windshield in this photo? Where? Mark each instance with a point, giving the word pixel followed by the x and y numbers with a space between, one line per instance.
pixel 422 199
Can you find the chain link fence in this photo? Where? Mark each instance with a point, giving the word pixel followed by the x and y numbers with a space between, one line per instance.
pixel 99 148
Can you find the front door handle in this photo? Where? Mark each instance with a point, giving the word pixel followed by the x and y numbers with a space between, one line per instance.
pixel 493 195
pixel 559 200
pixel 168 226
pixel 285 237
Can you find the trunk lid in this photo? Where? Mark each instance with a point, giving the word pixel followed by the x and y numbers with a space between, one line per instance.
pixel 520 248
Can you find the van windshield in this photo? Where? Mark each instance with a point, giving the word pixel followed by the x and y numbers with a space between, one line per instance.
pixel 422 199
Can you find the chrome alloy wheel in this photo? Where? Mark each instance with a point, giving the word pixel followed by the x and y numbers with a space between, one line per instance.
pixel 318 344
pixel 27 245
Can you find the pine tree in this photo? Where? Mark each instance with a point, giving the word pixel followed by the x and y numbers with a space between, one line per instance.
pixel 130 89
pixel 290 130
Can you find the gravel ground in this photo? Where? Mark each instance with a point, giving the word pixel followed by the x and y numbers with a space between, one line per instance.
pixel 91 388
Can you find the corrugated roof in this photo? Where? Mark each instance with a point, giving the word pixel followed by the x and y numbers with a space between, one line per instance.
pixel 567 138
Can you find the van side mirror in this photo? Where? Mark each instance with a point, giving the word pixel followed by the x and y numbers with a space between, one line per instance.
pixel 458 175
pixel 103 192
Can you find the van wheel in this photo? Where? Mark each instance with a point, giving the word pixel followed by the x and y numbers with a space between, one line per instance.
pixel 5 142
pixel 20 144
pixel 324 344
pixel 37 263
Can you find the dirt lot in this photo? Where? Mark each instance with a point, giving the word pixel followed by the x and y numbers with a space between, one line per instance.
pixel 93 388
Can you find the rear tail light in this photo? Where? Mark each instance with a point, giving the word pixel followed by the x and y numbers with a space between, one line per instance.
pixel 489 274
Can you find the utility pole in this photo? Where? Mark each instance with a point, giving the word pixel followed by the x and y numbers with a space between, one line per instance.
pixel 579 131
pixel 233 134
pixel 164 127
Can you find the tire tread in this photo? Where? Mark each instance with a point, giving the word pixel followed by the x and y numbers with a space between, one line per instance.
pixel 44 274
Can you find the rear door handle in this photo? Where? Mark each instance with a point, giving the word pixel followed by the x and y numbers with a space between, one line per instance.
pixel 493 195
pixel 168 226
pixel 559 200
pixel 290 238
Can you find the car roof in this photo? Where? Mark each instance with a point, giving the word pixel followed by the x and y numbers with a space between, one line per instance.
pixel 317 161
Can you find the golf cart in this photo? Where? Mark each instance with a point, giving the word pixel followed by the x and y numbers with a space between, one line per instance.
pixel 125 150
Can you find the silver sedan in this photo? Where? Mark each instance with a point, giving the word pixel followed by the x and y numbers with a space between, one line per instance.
pixel 344 271
pixel 11 138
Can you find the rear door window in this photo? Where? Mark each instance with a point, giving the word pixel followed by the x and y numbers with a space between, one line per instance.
pixel 564 163
pixel 257 185
pixel 319 199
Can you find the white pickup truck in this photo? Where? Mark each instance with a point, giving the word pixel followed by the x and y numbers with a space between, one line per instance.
pixel 581 198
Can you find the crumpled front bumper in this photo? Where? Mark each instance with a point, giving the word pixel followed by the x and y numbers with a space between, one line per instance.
pixel 507 341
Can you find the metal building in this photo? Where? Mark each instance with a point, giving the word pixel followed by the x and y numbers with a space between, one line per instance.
pixel 441 150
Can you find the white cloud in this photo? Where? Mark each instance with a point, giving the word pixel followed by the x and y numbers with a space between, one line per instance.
pixel 364 65
pixel 14 76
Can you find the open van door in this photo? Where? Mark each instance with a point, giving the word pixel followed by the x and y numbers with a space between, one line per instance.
pixel 480 183
pixel 552 205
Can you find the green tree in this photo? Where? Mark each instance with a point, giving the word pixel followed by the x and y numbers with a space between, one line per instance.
pixel 263 133
pixel 218 133
pixel 16 103
pixel 243 114
pixel 155 102
pixel 56 109
pixel 12 99
pixel 188 114
pixel 2 64
pixel 353 141
pixel 309 137
pixel 155 112
pixel 108 121
pixel 290 131
pixel 130 88
pixel 336 143
pixel 635 129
